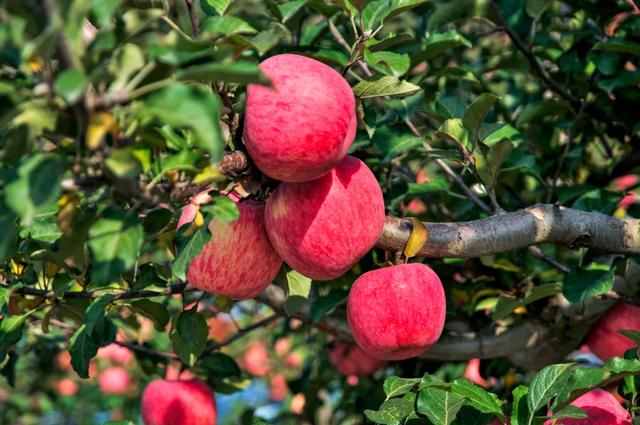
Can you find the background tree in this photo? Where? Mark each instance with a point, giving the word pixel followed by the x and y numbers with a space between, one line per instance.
pixel 509 128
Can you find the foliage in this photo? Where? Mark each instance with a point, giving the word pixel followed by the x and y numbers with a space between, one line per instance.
pixel 106 136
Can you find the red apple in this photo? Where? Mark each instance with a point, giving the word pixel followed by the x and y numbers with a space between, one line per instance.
pixel 63 361
pixel 116 354
pixel 323 227
pixel 66 387
pixel 349 359
pixel 297 404
pixel 397 312
pixel 221 327
pixel 625 182
pixel 294 360
pixel 178 403
pixel 255 359
pixel 605 341
pixel 279 388
pixel 238 262
pixel 601 409
pixel 303 126
pixel 282 346
pixel 114 380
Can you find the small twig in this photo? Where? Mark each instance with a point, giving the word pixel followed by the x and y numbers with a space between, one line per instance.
pixel 537 252
pixel 193 15
pixel 147 350
pixel 173 289
pixel 242 332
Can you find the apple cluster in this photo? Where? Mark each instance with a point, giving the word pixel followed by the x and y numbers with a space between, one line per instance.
pixel 326 213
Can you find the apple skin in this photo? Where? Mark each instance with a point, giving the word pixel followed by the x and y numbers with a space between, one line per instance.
pixel 604 340
pixel 397 312
pixel 601 408
pixel 301 128
pixel 297 404
pixel 472 373
pixel 117 354
pixel 278 388
pixel 189 402
pixel 221 327
pixel 323 227
pixel 349 359
pixel 114 380
pixel 238 262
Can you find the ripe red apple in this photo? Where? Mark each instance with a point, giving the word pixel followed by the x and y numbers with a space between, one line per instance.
pixel 323 227
pixel 297 404
pixel 279 388
pixel 116 354
pixel 601 409
pixel 303 126
pixel 67 387
pixel 238 262
pixel 397 312
pixel 114 380
pixel 221 327
pixel 605 341
pixel 178 403
pixel 282 346
pixel 293 360
pixel 63 361
pixel 349 359
pixel 255 359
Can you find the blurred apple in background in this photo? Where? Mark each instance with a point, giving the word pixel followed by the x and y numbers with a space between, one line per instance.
pixel 255 359
pixel 114 380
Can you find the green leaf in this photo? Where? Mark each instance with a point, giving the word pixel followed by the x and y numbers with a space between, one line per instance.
pixel 453 130
pixel 227 26
pixel 123 164
pixel 115 241
pixel 520 412
pixel 570 412
pixel 535 8
pixel 82 349
pixel 477 397
pixel 439 43
pixel 290 8
pixel 70 84
pixel 11 332
pixel 10 235
pixel 582 378
pixel 157 312
pixel 189 336
pixel 298 288
pixel 238 72
pixel 448 12
pixel 393 141
pixel 34 185
pixel 546 385
pixel 95 313
pixel 191 250
pixel 619 45
pixel 394 64
pixel 323 306
pixel 395 386
pixel 489 165
pixel 631 334
pixel 222 208
pixel 384 86
pixel 268 39
pixel 394 411
pixel 604 201
pixel 587 282
pixel 476 112
pixel 439 405
pixel 193 107
pixel 220 365
pixel 470 416
pixel 220 6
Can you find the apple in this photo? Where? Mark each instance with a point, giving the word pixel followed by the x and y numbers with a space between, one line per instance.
pixel 282 346
pixel 221 327
pixel 293 360
pixel 323 227
pixel 279 388
pixel 66 387
pixel 173 373
pixel 605 341
pixel 255 359
pixel 114 380
pixel 238 262
pixel 349 359
pixel 63 361
pixel 397 312
pixel 189 402
pixel 116 354
pixel 601 408
pixel 303 126
pixel 297 404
